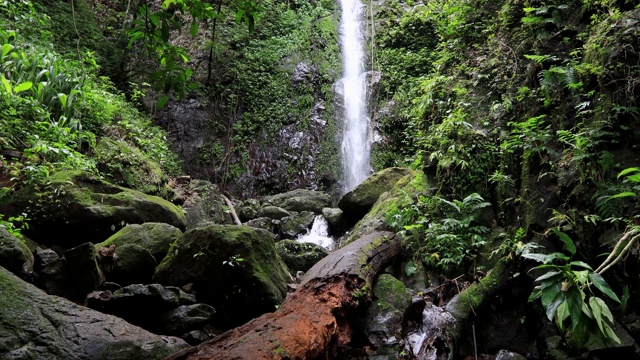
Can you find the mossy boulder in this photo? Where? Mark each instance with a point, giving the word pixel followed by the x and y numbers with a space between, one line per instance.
pixel 15 256
pixel 154 237
pixel 383 321
pixel 301 200
pixel 249 210
pixel 415 182
pixel 34 325
pixel 300 256
pixel 81 207
pixel 356 203
pixel 132 264
pixel 296 224
pixel 273 212
pixel 233 268
pixel 203 204
pixel 124 164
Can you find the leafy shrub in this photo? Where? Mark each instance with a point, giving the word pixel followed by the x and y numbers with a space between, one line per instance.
pixel 442 233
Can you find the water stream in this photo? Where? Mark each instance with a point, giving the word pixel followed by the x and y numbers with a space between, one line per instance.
pixel 355 142
pixel 319 234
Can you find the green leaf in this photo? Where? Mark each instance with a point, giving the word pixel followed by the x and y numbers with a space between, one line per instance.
pixel 556 255
pixel 547 275
pixel 162 101
pixel 621 195
pixel 602 285
pixel 625 296
pixel 7 85
pixel 535 257
pixel 562 314
pixel 193 29
pixel 581 264
pixel 574 301
pixel 627 171
pixel 23 86
pixel 568 243
pixel 554 304
pixel 536 293
pixel 5 49
pixel 550 293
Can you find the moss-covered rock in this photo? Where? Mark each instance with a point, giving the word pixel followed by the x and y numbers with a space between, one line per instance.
pixel 297 224
pixel 233 268
pixel 301 200
pixel 15 255
pixel 203 204
pixel 358 201
pixel 383 321
pixel 249 210
pixel 414 182
pixel 125 165
pixel 132 264
pixel 300 256
pixel 80 207
pixel 273 212
pixel 34 325
pixel 154 237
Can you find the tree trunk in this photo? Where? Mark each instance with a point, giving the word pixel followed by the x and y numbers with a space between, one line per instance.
pixel 314 322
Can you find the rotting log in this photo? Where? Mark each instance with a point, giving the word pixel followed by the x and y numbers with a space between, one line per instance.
pixel 314 322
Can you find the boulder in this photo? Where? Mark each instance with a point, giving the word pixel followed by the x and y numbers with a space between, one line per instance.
pixel 185 318
pixel 15 256
pixel 376 219
pixel 142 304
pixel 82 271
pixel 154 237
pixel 297 224
pixel 335 218
pixel 125 165
pixel 50 274
pixel 263 223
pixel 37 326
pixel 132 264
pixel 233 268
pixel 300 256
pixel 80 207
pixel 249 210
pixel 383 321
pixel 273 212
pixel 356 203
pixel 301 200
pixel 202 203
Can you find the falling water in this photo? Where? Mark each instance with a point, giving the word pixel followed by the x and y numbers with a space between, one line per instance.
pixel 355 142
pixel 319 234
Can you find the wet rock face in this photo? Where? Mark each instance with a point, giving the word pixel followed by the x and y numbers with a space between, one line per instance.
pixel 277 162
pixel 34 325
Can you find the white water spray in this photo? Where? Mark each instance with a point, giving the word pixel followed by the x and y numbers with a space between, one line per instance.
pixel 355 142
pixel 319 234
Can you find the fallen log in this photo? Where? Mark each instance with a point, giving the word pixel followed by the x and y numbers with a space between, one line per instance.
pixel 314 322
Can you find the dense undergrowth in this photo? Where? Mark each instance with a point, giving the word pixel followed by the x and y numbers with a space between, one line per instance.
pixel 533 106
pixel 58 113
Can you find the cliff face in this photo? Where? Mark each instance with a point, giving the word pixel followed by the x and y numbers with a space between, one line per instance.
pixel 263 122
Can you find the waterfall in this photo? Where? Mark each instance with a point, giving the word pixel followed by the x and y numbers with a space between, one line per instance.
pixel 319 234
pixel 355 142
